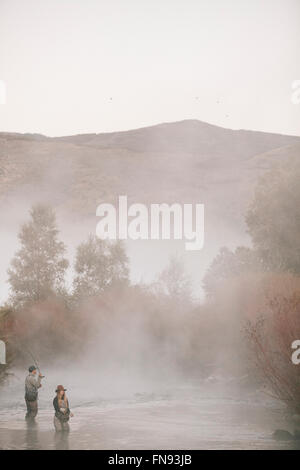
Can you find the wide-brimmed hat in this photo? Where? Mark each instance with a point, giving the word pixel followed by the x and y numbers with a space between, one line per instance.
pixel 60 388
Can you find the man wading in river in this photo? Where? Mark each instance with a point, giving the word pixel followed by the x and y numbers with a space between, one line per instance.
pixel 32 384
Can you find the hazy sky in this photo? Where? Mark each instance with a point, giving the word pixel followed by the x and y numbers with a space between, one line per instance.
pixel 73 66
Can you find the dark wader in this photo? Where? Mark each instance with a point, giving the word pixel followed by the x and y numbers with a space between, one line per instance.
pixel 31 395
pixel 32 408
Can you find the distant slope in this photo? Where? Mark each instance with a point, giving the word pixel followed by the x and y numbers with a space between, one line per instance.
pixel 188 136
pixel 187 161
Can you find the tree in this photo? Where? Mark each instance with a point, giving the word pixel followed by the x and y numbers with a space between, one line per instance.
pixel 37 271
pixel 174 282
pixel 230 264
pixel 98 265
pixel 273 221
pixel 271 335
pixel 273 218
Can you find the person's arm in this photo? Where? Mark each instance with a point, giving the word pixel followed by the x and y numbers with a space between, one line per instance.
pixel 71 414
pixel 39 380
pixel 36 383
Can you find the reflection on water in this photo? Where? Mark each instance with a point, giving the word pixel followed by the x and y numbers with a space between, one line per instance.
pixel 61 440
pixel 182 420
pixel 32 435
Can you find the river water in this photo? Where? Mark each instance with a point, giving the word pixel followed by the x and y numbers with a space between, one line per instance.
pixel 176 416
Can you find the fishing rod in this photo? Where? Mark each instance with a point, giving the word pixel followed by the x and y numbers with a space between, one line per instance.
pixel 29 352
pixel 35 362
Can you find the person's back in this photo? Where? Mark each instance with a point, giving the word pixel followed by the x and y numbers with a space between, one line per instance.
pixel 32 384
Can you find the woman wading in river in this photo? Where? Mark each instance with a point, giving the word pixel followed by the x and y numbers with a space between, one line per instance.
pixel 62 410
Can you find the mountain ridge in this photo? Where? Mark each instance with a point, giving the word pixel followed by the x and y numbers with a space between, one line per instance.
pixel 183 161
pixel 162 124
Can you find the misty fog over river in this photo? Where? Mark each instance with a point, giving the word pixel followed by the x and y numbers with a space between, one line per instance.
pixel 149 362
pixel 118 413
pixel 150 220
